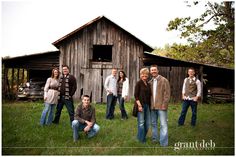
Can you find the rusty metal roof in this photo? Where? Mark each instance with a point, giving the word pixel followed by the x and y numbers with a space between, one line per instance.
pixel 151 58
pixel 57 42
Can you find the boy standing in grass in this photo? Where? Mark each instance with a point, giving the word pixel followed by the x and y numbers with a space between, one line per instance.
pixel 84 119
pixel 191 92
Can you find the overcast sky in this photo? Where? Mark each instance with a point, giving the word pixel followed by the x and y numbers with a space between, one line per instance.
pixel 31 26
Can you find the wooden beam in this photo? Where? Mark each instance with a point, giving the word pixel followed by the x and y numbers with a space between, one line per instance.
pixel 18 78
pixel 201 79
pixel 12 79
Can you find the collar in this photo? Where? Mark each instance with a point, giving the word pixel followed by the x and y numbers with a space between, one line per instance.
pixel 85 108
pixel 143 81
pixel 113 76
pixel 194 78
pixel 157 78
pixel 64 76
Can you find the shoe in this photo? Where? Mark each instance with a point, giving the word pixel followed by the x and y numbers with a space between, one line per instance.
pixel 125 118
pixel 154 141
pixel 55 122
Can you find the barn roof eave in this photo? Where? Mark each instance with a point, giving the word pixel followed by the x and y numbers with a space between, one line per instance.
pixel 59 41
pixel 182 61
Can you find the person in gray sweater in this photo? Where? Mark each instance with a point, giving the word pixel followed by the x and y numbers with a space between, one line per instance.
pixel 50 98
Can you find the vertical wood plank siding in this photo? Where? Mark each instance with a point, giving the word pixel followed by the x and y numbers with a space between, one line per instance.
pixel 77 53
pixel 176 76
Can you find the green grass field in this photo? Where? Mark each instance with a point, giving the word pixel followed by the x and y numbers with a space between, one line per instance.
pixel 22 134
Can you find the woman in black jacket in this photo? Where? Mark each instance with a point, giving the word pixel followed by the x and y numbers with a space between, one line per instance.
pixel 142 96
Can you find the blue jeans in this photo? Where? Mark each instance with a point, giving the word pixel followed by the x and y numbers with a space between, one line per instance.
pixel 185 107
pixel 162 114
pixel 111 102
pixel 122 107
pixel 76 126
pixel 47 111
pixel 70 108
pixel 143 123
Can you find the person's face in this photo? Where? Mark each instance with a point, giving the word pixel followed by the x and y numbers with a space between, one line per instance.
pixel 191 73
pixel 121 74
pixel 144 77
pixel 113 72
pixel 86 101
pixel 154 71
pixel 55 73
pixel 65 70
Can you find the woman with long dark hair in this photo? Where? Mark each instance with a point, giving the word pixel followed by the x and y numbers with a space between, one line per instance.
pixel 122 93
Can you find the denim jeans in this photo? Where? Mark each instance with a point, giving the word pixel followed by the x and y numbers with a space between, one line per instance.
pixel 185 106
pixel 111 102
pixel 122 107
pixel 47 114
pixel 143 123
pixel 70 108
pixel 163 126
pixel 76 126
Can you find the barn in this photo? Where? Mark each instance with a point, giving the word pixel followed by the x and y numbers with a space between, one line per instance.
pixel 92 50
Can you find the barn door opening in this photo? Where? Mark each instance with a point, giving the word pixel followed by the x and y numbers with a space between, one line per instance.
pixel 102 53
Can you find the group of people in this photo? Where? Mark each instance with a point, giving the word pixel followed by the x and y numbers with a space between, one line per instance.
pixel 59 91
pixel 151 95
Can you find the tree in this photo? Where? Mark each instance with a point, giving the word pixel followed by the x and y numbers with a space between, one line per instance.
pixel 211 46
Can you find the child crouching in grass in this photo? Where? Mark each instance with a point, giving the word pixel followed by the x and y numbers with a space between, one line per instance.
pixel 85 119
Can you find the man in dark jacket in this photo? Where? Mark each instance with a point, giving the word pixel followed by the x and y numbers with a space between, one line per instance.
pixel 85 119
pixel 67 88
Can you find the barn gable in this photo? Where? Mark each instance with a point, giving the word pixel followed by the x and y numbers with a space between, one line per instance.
pixel 92 50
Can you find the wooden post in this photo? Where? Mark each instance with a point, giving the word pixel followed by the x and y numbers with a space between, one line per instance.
pixel 4 85
pixel 23 76
pixel 8 85
pixel 201 79
pixel 17 81
pixel 27 75
pixel 12 79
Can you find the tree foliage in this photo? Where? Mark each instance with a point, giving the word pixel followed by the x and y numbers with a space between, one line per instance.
pixel 209 46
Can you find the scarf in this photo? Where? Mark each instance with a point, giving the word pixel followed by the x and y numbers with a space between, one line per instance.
pixel 67 89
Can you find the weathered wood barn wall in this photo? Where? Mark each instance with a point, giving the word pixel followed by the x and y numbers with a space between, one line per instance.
pixel 80 48
pixel 36 66
pixel 175 71
pixel 92 50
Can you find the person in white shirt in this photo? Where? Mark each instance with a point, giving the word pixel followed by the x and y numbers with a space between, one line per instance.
pixel 191 93
pixel 122 93
pixel 110 86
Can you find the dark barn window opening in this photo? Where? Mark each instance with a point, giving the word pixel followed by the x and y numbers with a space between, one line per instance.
pixel 102 53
